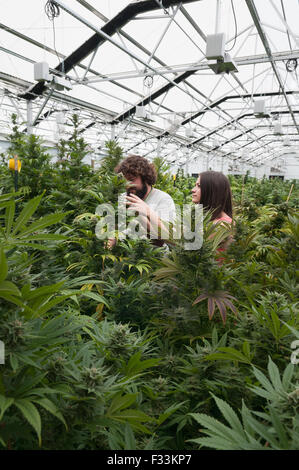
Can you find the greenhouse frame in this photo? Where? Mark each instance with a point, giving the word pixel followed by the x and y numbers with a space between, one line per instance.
pixel 149 57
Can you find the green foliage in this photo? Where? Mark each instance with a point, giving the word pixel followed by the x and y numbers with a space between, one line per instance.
pixel 36 171
pixel 112 159
pixel 276 428
pixel 122 348
pixel 72 152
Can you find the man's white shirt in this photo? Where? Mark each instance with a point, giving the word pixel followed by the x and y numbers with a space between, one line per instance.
pixel 161 203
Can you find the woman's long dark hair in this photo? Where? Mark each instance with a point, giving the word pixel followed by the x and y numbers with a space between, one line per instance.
pixel 215 193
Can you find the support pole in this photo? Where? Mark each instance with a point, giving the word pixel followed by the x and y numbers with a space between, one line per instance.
pixel 218 16
pixel 159 143
pixel 112 132
pixel 29 117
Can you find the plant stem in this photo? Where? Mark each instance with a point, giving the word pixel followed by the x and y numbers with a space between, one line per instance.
pixel 290 192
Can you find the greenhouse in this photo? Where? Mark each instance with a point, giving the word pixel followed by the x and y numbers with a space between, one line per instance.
pixel 149 227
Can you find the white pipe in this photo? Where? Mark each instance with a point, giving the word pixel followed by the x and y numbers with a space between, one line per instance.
pixel 218 16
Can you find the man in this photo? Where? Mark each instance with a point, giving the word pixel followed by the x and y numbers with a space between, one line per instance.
pixel 153 205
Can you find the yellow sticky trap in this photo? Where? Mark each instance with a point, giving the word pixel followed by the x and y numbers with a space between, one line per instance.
pixel 14 164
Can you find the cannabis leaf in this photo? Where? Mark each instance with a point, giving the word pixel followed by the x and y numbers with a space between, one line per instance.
pixel 219 299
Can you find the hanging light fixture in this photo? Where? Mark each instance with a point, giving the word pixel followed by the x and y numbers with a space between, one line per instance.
pixel 60 118
pixel 190 132
pixel 259 109
pixel 277 129
pixel 286 142
pixel 142 113
pixel 173 124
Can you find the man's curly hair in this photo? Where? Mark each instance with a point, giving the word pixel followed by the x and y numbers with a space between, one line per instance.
pixel 134 166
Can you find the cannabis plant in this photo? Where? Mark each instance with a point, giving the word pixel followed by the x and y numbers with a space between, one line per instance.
pixel 274 428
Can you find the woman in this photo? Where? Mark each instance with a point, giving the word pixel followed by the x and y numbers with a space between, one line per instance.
pixel 212 190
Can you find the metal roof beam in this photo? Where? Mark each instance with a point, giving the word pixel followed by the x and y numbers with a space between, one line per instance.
pixel 193 23
pixel 194 67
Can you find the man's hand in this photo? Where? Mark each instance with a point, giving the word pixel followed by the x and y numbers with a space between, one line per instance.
pixel 110 243
pixel 148 217
pixel 138 205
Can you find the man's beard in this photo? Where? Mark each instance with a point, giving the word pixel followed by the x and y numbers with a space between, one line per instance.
pixel 139 192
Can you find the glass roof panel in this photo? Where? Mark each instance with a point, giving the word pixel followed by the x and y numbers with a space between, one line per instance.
pixel 157 60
